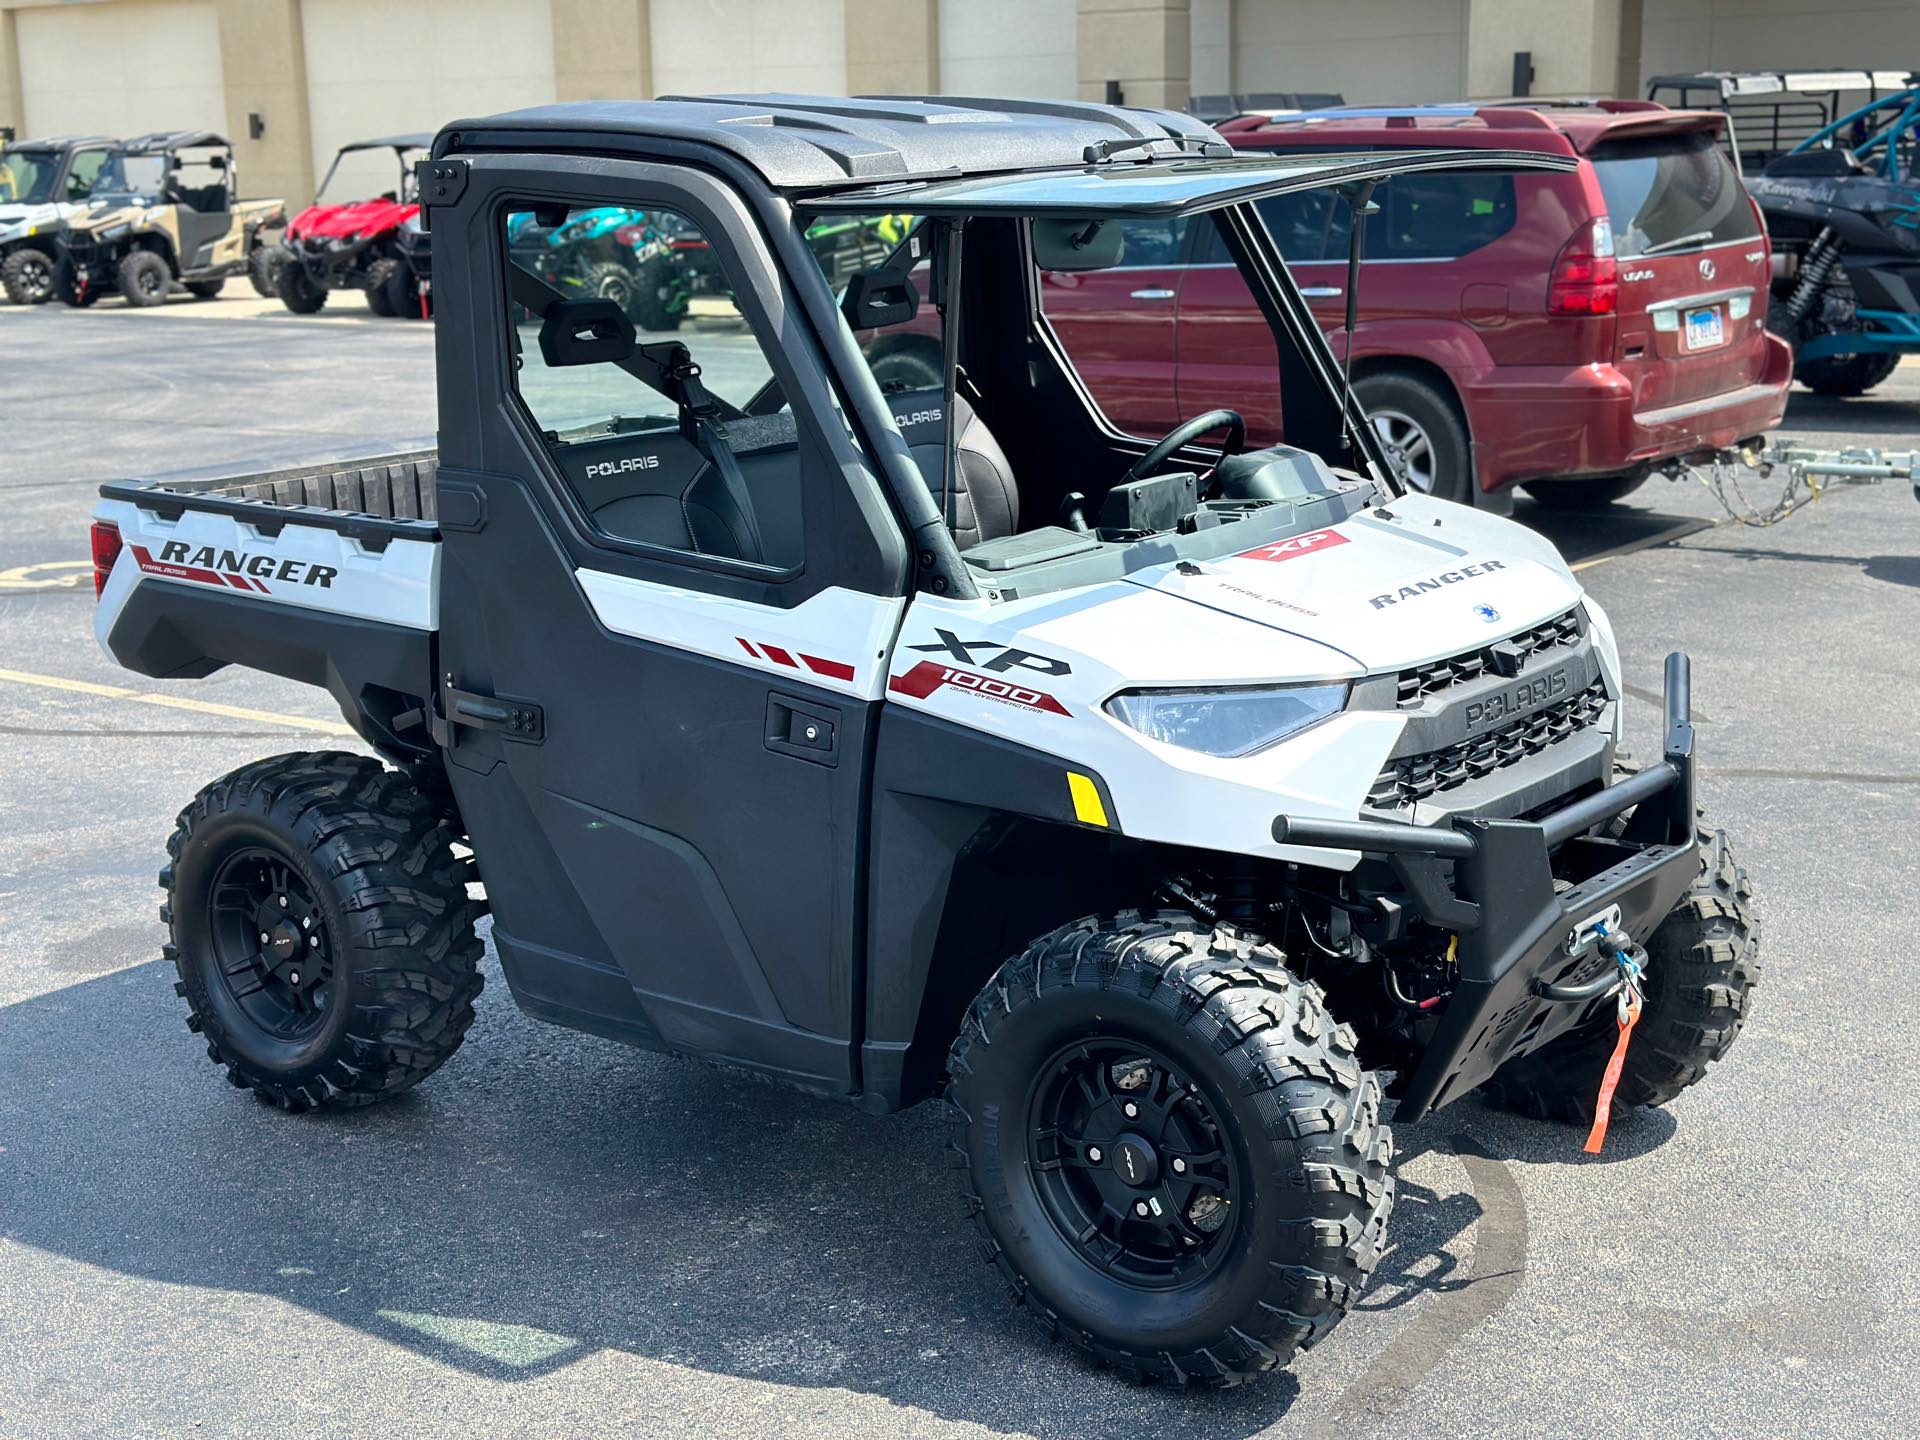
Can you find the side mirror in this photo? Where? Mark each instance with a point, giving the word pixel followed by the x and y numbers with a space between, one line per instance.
pixel 585 332
pixel 218 162
pixel 876 299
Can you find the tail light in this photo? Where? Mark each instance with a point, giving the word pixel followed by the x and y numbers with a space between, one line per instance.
pixel 1586 278
pixel 106 550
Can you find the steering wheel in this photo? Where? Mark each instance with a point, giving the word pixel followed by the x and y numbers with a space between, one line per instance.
pixel 1185 433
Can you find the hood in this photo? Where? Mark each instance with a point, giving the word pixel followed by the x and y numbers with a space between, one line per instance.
pixel 12 215
pixel 1428 579
pixel 360 217
pixel 102 217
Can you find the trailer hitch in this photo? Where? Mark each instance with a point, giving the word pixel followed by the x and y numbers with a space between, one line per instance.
pixel 1809 474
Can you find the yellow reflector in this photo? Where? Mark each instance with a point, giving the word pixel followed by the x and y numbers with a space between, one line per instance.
pixel 1087 808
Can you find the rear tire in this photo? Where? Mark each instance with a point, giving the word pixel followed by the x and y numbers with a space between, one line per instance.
pixel 654 304
pixel 1845 376
pixel 298 290
pixel 905 366
pixel 1702 967
pixel 367 983
pixel 403 293
pixel 28 276
pixel 263 270
pixel 378 274
pixel 1422 430
pixel 1589 494
pixel 145 279
pixel 1240 1082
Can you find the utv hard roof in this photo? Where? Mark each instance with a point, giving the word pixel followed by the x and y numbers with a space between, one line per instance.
pixel 1730 83
pixel 60 142
pixel 802 142
pixel 162 141
pixel 1168 188
pixel 391 142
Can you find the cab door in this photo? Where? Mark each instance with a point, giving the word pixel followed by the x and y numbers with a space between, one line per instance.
pixel 663 625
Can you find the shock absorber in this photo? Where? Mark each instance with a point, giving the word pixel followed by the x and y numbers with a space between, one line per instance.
pixel 1822 255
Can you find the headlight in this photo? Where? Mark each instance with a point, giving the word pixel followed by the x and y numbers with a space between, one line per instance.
pixel 1226 723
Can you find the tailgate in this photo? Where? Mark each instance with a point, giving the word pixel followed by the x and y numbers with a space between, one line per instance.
pixel 1693 268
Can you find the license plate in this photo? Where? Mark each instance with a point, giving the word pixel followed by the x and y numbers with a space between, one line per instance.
pixel 1705 328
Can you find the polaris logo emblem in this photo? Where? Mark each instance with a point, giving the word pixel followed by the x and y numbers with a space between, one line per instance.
pixel 908 419
pixel 1415 589
pixel 1516 699
pixel 1295 546
pixel 601 468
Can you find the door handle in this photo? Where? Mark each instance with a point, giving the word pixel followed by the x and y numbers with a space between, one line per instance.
pixel 1321 292
pixel 1153 293
pixel 802 729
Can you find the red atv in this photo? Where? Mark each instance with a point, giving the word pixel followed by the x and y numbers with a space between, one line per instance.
pixel 351 245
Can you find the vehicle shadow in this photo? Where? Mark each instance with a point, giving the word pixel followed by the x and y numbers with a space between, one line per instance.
pixel 1587 534
pixel 549 1196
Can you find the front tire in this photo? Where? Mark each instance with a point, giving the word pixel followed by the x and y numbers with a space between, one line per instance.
pixel 145 278
pixel 403 293
pixel 322 930
pixel 28 276
pixel 263 270
pixel 298 290
pixel 1701 970
pixel 1422 430
pixel 378 295
pixel 1172 1152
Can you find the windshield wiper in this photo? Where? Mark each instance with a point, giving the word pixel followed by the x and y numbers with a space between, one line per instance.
pixel 1680 243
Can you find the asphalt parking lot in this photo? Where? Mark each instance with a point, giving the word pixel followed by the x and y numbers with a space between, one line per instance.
pixel 557 1235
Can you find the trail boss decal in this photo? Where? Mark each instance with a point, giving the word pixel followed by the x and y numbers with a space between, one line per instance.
pixel 209 566
pixel 1294 546
pixel 1436 582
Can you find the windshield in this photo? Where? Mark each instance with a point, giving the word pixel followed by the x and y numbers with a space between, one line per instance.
pixel 1041 448
pixel 137 175
pixel 27 176
pixel 1672 194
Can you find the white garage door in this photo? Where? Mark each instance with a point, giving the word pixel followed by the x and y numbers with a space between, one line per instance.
pixel 387 67
pixel 120 69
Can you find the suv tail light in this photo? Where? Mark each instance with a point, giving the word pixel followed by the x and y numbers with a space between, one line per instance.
pixel 106 550
pixel 1586 278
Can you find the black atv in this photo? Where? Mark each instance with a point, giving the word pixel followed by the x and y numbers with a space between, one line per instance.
pixel 1841 199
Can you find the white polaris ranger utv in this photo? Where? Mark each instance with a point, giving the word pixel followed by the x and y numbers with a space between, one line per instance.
pixel 1162 803
pixel 43 183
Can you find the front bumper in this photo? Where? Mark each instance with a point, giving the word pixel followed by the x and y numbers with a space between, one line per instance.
pixel 1521 981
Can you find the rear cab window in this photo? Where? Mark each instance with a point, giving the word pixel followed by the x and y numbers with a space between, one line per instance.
pixel 1671 193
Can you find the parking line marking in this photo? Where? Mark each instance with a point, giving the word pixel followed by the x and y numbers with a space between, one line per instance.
pixel 1677 531
pixel 178 702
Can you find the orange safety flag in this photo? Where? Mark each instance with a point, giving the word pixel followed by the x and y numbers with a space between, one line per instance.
pixel 1603 1108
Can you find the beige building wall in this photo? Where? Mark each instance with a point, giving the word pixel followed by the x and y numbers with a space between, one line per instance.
pixel 1575 45
pixel 435 61
pixel 1212 47
pixel 602 49
pixel 120 69
pixel 1022 48
pixel 735 46
pixel 1370 51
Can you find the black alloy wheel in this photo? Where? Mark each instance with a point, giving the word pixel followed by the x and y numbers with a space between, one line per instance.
pixel 270 944
pixel 1131 1164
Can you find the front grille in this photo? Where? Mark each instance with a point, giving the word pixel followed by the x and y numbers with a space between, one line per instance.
pixel 1410 780
pixel 1437 675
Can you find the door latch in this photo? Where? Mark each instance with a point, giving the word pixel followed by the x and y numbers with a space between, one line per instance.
pixel 521 720
pixel 803 729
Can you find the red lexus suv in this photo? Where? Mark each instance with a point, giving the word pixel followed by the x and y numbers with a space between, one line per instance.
pixel 1563 332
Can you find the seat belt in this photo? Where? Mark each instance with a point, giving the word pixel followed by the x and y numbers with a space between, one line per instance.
pixel 701 426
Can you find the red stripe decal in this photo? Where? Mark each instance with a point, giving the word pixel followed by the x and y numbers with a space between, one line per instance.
pixel 832 669
pixel 144 559
pixel 930 675
pixel 239 582
pixel 780 657
pixel 747 645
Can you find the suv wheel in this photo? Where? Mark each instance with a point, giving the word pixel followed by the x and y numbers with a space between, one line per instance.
pixel 321 929
pixel 28 276
pixel 145 278
pixel 1422 432
pixel 1173 1154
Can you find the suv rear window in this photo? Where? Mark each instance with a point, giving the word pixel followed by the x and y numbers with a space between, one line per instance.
pixel 1437 216
pixel 1679 192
